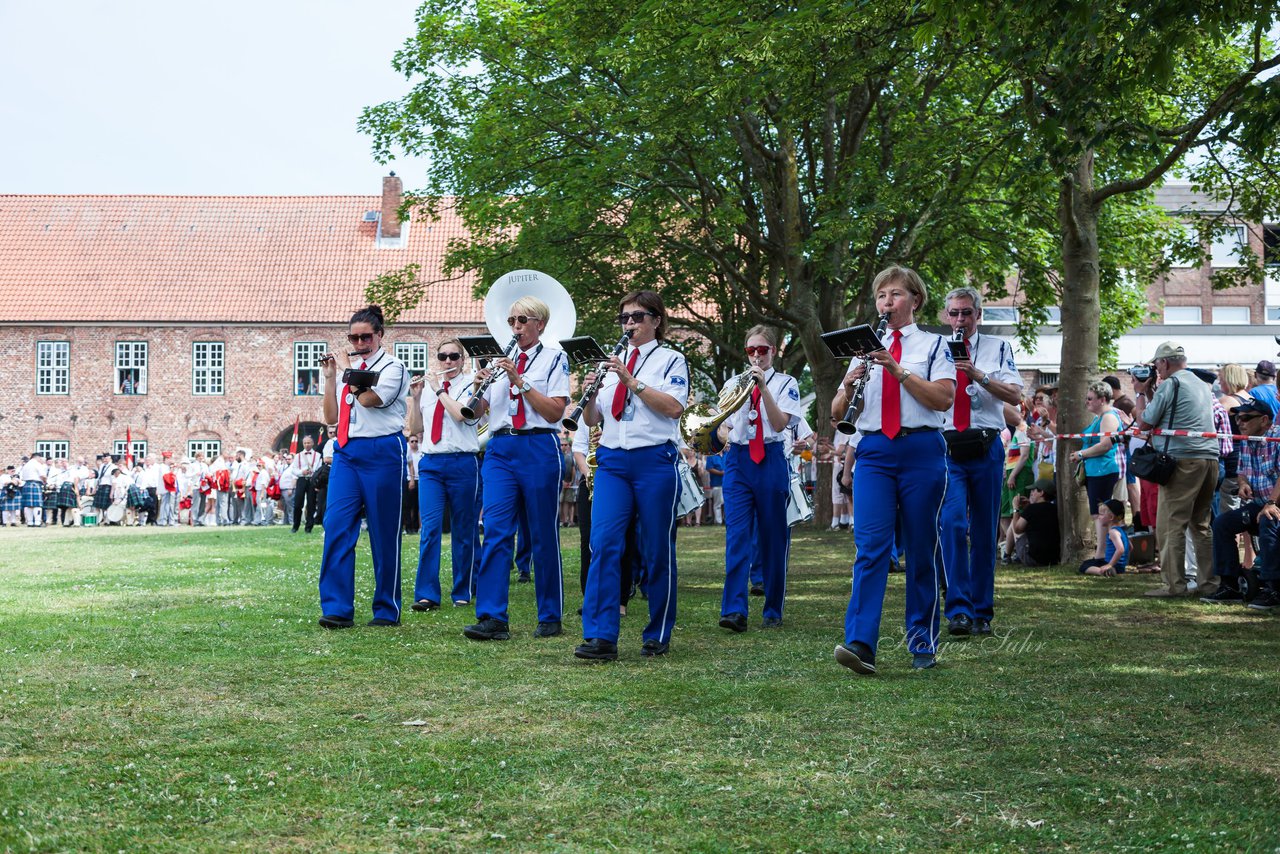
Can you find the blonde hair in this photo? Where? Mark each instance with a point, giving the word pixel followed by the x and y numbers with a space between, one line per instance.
pixel 909 279
pixel 763 331
pixel 533 307
pixel 1233 378
pixel 454 340
pixel 1102 390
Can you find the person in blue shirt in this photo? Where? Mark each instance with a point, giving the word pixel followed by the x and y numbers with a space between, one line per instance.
pixel 1116 551
pixel 715 468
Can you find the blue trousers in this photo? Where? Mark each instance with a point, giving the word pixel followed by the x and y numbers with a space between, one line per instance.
pixel 521 470
pixel 367 475
pixel 907 476
pixel 1244 519
pixel 970 527
pixel 755 495
pixel 524 543
pixel 453 479
pixel 640 485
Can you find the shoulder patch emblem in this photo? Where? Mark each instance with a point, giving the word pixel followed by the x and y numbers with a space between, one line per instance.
pixel 794 393
pixel 678 380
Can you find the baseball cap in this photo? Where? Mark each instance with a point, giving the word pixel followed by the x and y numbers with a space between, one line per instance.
pixel 1265 368
pixel 1047 487
pixel 1169 350
pixel 1261 406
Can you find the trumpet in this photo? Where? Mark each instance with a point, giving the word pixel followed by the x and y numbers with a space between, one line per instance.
pixel 570 422
pixel 469 411
pixel 700 422
pixel 846 425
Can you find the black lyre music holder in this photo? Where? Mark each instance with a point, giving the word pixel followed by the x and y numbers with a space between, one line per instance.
pixel 854 342
pixel 481 346
pixel 584 350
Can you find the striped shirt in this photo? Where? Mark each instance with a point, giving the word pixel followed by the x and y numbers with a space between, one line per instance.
pixel 1260 464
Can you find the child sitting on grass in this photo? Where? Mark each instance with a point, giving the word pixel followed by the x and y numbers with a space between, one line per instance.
pixel 1111 515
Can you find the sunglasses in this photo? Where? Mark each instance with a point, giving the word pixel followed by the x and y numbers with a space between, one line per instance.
pixel 1248 416
pixel 761 350
pixel 634 317
pixel 360 338
pixel 960 312
pixel 521 319
pixel 448 357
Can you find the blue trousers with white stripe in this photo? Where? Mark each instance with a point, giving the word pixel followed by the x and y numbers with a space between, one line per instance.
pixel 367 474
pixel 755 496
pixel 521 470
pixel 970 527
pixel 640 486
pixel 907 476
pixel 455 479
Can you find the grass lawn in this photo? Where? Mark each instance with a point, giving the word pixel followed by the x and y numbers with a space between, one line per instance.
pixel 170 690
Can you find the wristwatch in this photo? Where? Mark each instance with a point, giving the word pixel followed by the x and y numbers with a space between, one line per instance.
pixel 524 387
pixel 640 387
pixel 985 381
pixel 906 374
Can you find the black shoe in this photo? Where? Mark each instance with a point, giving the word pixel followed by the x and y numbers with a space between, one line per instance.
pixel 771 623
pixel 894 566
pixel 652 647
pixel 548 629
pixel 595 649
pixel 757 590
pixel 736 622
pixel 295 530
pixel 524 578
pixel 308 530
pixel 858 657
pixel 1266 599
pixel 488 629
pixel 981 626
pixel 380 621
pixel 425 605
pixel 327 622
pixel 1224 596
pixel 961 625
pixel 923 661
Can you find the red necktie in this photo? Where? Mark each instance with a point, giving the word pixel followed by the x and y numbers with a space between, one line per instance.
pixel 517 420
pixel 437 420
pixel 344 413
pixel 620 393
pixel 756 442
pixel 891 393
pixel 962 397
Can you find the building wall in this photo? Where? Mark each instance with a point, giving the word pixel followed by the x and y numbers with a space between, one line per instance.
pixel 259 400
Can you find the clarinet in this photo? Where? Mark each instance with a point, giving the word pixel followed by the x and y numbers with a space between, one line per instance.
pixel 846 426
pixel 469 411
pixel 570 422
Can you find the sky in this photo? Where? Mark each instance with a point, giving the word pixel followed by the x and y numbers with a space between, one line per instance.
pixel 227 98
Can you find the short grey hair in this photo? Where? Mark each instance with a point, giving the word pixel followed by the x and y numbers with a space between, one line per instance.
pixel 965 292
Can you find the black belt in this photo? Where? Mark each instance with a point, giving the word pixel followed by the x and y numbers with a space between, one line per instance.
pixel 532 431
pixel 902 431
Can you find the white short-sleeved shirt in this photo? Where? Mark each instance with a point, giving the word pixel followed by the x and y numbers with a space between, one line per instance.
pixel 993 357
pixel 660 368
pixel 547 370
pixel 925 354
pixel 32 470
pixel 456 437
pixel 786 392
pixel 369 422
pixel 582 440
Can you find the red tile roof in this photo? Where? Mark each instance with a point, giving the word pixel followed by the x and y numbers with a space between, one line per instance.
pixel 223 259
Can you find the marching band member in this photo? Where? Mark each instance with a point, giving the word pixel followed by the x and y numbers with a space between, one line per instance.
pixel 975 464
pixel 637 481
pixel 448 472
pixel 900 469
pixel 522 468
pixel 368 462
pixel 756 481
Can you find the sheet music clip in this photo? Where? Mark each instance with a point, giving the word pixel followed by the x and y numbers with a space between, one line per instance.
pixel 852 343
pixel 482 346
pixel 583 350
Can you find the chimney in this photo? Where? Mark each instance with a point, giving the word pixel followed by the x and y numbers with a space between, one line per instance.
pixel 392 196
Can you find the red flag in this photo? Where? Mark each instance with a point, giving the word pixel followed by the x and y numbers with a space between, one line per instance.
pixel 128 447
pixel 293 443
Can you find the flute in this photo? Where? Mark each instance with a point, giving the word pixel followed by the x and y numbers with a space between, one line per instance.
pixel 846 426
pixel 570 422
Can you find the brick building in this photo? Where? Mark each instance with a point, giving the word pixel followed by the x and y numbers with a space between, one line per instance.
pixel 194 322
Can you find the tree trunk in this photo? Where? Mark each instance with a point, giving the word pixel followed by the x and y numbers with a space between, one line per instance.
pixel 1081 314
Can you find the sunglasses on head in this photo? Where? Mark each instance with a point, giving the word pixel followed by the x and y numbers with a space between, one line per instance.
pixel 448 357
pixel 960 312
pixel 521 319
pixel 759 350
pixel 360 338
pixel 634 317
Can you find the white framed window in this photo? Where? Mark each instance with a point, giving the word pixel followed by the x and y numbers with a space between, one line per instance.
pixel 53 449
pixel 1231 315
pixel 208 367
pixel 53 367
pixel 307 378
pixel 1182 315
pixel 131 367
pixel 1046 378
pixel 999 314
pixel 415 355
pixel 1225 249
pixel 139 449
pixel 209 447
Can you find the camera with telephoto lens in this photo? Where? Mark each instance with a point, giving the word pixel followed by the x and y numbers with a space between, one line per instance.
pixel 1140 373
